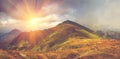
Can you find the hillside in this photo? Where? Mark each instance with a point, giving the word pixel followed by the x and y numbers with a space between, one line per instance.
pixel 67 40
pixel 88 49
pixel 27 40
pixel 64 32
pixel 41 40
pixel 7 38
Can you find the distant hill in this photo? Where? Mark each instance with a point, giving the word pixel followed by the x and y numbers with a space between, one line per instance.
pixel 109 34
pixel 1 34
pixel 7 38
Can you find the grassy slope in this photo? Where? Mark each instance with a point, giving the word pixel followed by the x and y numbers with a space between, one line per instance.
pixel 65 33
pixel 89 49
pixel 51 39
pixel 68 42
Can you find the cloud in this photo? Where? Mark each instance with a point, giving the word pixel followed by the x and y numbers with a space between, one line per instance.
pixel 108 15
pixel 8 23
pixel 24 9
pixel 95 14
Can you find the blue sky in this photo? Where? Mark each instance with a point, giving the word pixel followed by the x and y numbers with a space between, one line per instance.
pixel 95 14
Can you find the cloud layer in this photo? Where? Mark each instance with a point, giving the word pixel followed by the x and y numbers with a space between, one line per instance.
pixel 95 14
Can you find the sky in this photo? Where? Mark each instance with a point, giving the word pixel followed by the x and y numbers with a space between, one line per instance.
pixel 30 15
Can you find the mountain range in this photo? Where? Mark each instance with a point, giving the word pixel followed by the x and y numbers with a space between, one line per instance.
pixel 67 40
pixel 62 32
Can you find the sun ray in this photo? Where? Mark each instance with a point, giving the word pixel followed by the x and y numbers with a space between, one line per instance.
pixel 30 11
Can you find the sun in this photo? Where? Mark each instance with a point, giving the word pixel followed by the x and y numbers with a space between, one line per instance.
pixel 34 21
pixel 33 24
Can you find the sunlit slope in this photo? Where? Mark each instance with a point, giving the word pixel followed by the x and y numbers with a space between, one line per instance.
pixel 27 40
pixel 63 33
pixel 88 49
pixel 52 38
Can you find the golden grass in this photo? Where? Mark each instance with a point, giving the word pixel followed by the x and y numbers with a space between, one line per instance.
pixel 90 49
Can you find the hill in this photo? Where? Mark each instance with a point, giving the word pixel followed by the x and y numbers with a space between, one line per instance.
pixel 67 40
pixel 43 39
pixel 7 38
pixel 65 32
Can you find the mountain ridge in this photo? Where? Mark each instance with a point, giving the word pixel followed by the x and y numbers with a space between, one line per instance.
pixel 67 40
pixel 76 24
pixel 50 37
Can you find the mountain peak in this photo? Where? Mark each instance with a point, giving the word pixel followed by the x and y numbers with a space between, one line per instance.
pixel 68 21
pixel 15 30
pixel 76 24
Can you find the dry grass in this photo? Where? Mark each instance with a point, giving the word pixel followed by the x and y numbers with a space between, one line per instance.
pixel 90 49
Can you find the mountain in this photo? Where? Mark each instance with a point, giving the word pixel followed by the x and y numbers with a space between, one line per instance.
pixel 27 40
pixel 1 34
pixel 7 38
pixel 76 24
pixel 65 32
pixel 42 39
pixel 67 40
pixel 109 34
